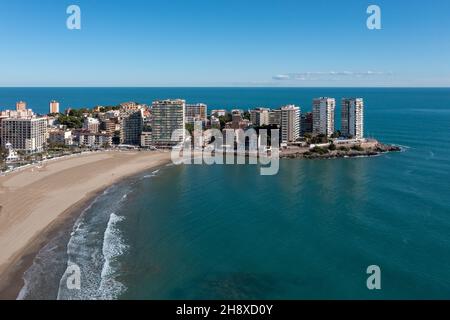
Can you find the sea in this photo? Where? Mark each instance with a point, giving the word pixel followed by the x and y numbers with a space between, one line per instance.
pixel 227 232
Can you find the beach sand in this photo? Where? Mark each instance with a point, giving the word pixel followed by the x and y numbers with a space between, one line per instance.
pixel 37 201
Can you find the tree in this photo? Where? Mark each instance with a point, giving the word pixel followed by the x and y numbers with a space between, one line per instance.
pixel 3 154
pixel 189 127
pixel 321 138
pixel 71 121
pixel 224 119
pixel 336 134
pixel 319 150
pixel 332 147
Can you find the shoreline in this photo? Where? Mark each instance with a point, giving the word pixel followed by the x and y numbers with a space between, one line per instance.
pixel 372 150
pixel 12 271
pixel 13 268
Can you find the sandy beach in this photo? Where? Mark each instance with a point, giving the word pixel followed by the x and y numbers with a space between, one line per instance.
pixel 35 201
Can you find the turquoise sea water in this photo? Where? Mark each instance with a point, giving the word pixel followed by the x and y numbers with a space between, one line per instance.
pixel 311 231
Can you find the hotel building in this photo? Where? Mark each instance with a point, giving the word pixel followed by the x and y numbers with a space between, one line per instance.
pixel 24 134
pixel 290 123
pixel 352 118
pixel 323 116
pixel 167 116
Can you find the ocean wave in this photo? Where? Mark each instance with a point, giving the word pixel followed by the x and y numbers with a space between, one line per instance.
pixel 153 174
pixel 95 246
pixel 113 247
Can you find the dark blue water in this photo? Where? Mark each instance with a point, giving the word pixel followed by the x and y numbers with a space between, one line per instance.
pixel 311 231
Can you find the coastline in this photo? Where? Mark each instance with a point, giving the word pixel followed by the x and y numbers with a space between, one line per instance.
pixel 374 149
pixel 18 258
pixel 12 270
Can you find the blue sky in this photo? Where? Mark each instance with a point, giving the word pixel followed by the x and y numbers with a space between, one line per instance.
pixel 224 43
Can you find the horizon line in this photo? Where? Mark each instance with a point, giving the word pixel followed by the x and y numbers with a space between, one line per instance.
pixel 228 86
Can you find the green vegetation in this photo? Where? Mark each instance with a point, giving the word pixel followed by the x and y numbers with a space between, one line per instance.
pixel 357 148
pixel 321 138
pixel 189 127
pixel 78 112
pixel 336 134
pixel 224 119
pixel 319 150
pixel 332 147
pixel 246 115
pixel 344 149
pixel 109 108
pixel 72 122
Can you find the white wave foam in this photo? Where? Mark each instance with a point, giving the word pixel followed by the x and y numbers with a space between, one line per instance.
pixel 96 252
pixel 113 247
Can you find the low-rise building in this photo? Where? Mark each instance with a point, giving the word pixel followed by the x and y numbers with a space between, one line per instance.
pixel 60 137
pixel 91 124
pixel 93 140
pixel 146 139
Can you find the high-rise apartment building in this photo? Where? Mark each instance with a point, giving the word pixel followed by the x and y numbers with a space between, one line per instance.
pixel 54 107
pixel 323 116
pixel 352 117
pixel 306 123
pixel 275 117
pixel 24 134
pixel 21 106
pixel 259 116
pixel 167 116
pixel 196 112
pixel 290 123
pixel 132 123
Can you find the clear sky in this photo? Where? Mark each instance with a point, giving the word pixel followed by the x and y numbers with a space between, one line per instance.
pixel 224 43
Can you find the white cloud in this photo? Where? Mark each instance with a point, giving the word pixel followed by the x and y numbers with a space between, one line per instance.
pixel 328 75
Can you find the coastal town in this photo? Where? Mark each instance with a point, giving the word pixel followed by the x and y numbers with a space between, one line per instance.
pixel 27 137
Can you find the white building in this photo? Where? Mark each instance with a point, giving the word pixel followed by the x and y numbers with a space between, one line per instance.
pixel 290 123
pixel 61 137
pixel 219 112
pixel 352 118
pixel 167 116
pixel 94 140
pixel 91 124
pixel 323 116
pixel 146 139
pixel 24 134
